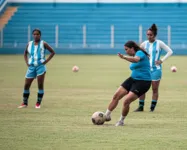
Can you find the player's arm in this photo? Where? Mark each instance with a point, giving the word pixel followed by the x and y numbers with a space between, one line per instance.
pixel 52 52
pixel 25 55
pixel 134 59
pixel 168 50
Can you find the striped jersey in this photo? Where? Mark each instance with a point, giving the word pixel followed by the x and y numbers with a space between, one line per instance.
pixel 36 53
pixel 154 50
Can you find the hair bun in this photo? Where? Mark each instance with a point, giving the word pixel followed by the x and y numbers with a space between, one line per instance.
pixel 154 27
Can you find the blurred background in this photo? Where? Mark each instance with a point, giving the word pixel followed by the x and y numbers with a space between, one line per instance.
pixel 91 26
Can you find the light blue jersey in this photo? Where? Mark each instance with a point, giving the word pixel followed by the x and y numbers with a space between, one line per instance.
pixel 36 53
pixel 141 69
pixel 154 50
pixel 36 59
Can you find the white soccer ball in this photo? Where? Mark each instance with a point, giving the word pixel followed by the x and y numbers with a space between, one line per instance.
pixel 75 69
pixel 98 118
pixel 174 69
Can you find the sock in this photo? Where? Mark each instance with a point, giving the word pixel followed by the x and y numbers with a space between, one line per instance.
pixel 40 96
pixel 153 104
pixel 122 118
pixel 141 103
pixel 108 112
pixel 26 94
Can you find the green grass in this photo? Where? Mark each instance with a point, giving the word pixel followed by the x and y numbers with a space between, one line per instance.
pixel 63 122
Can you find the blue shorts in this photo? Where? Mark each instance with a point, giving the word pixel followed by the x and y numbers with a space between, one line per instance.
pixel 156 75
pixel 34 71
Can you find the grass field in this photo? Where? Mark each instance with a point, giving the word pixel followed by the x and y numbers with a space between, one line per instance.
pixel 63 122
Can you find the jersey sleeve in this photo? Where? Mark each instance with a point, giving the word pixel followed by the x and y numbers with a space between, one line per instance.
pixel 167 49
pixel 140 54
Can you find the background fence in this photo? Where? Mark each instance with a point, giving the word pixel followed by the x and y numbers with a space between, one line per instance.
pixel 72 36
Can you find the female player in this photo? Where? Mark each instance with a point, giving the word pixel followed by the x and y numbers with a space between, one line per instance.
pixel 136 85
pixel 154 48
pixel 36 63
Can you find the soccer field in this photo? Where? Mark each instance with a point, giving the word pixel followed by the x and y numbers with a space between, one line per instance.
pixel 64 120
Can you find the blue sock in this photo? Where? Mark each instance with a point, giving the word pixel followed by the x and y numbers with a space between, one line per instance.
pixel 26 94
pixel 141 103
pixel 153 104
pixel 40 96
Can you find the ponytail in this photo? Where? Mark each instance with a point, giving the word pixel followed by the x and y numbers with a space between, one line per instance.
pixel 153 28
pixel 131 44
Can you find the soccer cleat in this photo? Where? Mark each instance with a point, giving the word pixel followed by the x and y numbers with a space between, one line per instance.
pixel 107 118
pixel 139 109
pixel 23 106
pixel 152 108
pixel 37 105
pixel 119 123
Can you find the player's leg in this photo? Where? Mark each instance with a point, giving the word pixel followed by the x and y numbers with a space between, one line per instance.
pixel 142 97
pixel 29 77
pixel 155 90
pixel 126 105
pixel 138 88
pixel 156 77
pixel 141 103
pixel 41 70
pixel 121 92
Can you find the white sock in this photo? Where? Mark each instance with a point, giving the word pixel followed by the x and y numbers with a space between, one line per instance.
pixel 108 112
pixel 122 118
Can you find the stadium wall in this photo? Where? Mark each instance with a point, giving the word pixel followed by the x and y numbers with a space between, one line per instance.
pixel 87 50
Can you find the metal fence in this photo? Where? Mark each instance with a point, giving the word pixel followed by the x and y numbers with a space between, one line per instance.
pixel 87 40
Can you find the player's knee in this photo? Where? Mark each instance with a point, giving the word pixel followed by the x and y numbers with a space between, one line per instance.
pixel 155 90
pixel 126 103
pixel 116 97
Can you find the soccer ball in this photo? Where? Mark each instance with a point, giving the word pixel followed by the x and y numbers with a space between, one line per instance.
pixel 174 69
pixel 75 69
pixel 98 118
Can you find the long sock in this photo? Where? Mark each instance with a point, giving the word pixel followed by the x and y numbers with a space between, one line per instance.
pixel 40 96
pixel 153 104
pixel 122 118
pixel 141 103
pixel 108 112
pixel 26 94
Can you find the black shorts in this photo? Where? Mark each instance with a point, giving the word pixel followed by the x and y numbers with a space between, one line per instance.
pixel 139 87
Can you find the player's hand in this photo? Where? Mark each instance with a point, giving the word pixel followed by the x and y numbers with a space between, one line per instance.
pixel 44 62
pixel 120 55
pixel 158 62
pixel 27 64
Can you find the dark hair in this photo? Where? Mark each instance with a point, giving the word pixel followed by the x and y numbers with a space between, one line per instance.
pixel 153 28
pixel 37 30
pixel 131 44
